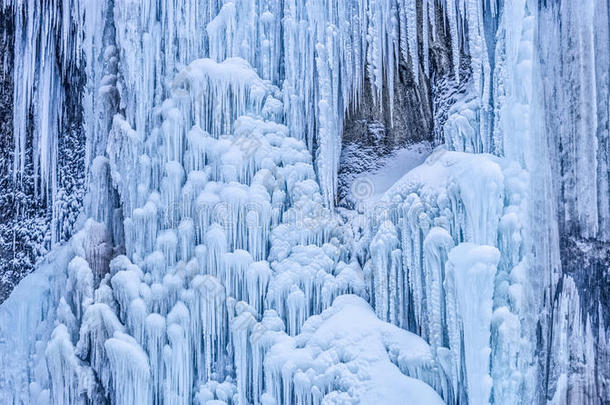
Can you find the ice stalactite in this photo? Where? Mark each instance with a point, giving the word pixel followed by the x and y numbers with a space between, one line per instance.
pixel 436 248
pixel 155 326
pixel 35 50
pixel 410 10
pixel 63 367
pixel 471 270
pixel 99 324
pixel 386 258
pixel 452 21
pixel 178 364
pixel 576 53
pixel 514 87
pixel 130 370
pixel 80 284
pixel 58 47
pixel 575 343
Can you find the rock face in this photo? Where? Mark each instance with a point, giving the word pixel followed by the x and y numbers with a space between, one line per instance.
pixel 196 188
pixel 37 111
pixel 419 104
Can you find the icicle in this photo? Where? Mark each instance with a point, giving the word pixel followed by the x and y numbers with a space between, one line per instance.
pixel 241 328
pixel 384 271
pixel 476 42
pixel 177 359
pixel 236 265
pixel 155 341
pixel 473 269
pixel 432 17
pixel 412 40
pixel 80 285
pixel 130 370
pixel 171 187
pixel 213 312
pixel 257 278
pixel 99 324
pixel 136 316
pixel 452 17
pixel 186 239
pixel 436 246
pixel 295 307
pixel 425 34
pixel 126 287
pixel 63 367
pixel 167 243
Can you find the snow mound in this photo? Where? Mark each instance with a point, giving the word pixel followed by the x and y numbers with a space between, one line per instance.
pixel 347 355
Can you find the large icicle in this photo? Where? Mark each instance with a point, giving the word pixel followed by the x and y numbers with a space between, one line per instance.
pixel 472 270
pixel 130 370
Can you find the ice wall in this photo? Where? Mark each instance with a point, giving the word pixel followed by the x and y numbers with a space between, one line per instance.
pixel 575 102
pixel 452 271
pixel 318 53
pixel 226 221
pixel 543 233
pixel 214 267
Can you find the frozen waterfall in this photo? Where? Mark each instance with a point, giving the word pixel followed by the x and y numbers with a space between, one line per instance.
pixel 214 262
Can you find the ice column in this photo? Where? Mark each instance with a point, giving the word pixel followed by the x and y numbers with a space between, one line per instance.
pixel 471 269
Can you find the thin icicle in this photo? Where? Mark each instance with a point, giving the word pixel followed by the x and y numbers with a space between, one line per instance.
pixel 412 36
pixel 452 18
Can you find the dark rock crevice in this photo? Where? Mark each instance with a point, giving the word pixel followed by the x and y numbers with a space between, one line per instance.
pixel 372 130
pixel 31 220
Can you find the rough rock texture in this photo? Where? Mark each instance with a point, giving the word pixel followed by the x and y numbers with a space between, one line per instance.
pixel 27 221
pixel 372 130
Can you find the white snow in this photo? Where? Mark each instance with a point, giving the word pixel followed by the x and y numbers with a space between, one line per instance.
pixel 348 352
pixel 394 167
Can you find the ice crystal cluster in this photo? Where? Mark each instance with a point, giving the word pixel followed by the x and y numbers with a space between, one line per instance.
pixel 212 263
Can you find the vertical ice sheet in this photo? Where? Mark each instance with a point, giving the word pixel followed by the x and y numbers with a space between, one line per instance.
pixel 472 270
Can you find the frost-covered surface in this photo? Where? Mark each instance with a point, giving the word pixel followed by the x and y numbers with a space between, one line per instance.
pixel 347 354
pixel 39 137
pixel 444 246
pixel 214 268
pixel 395 166
pixel 367 178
